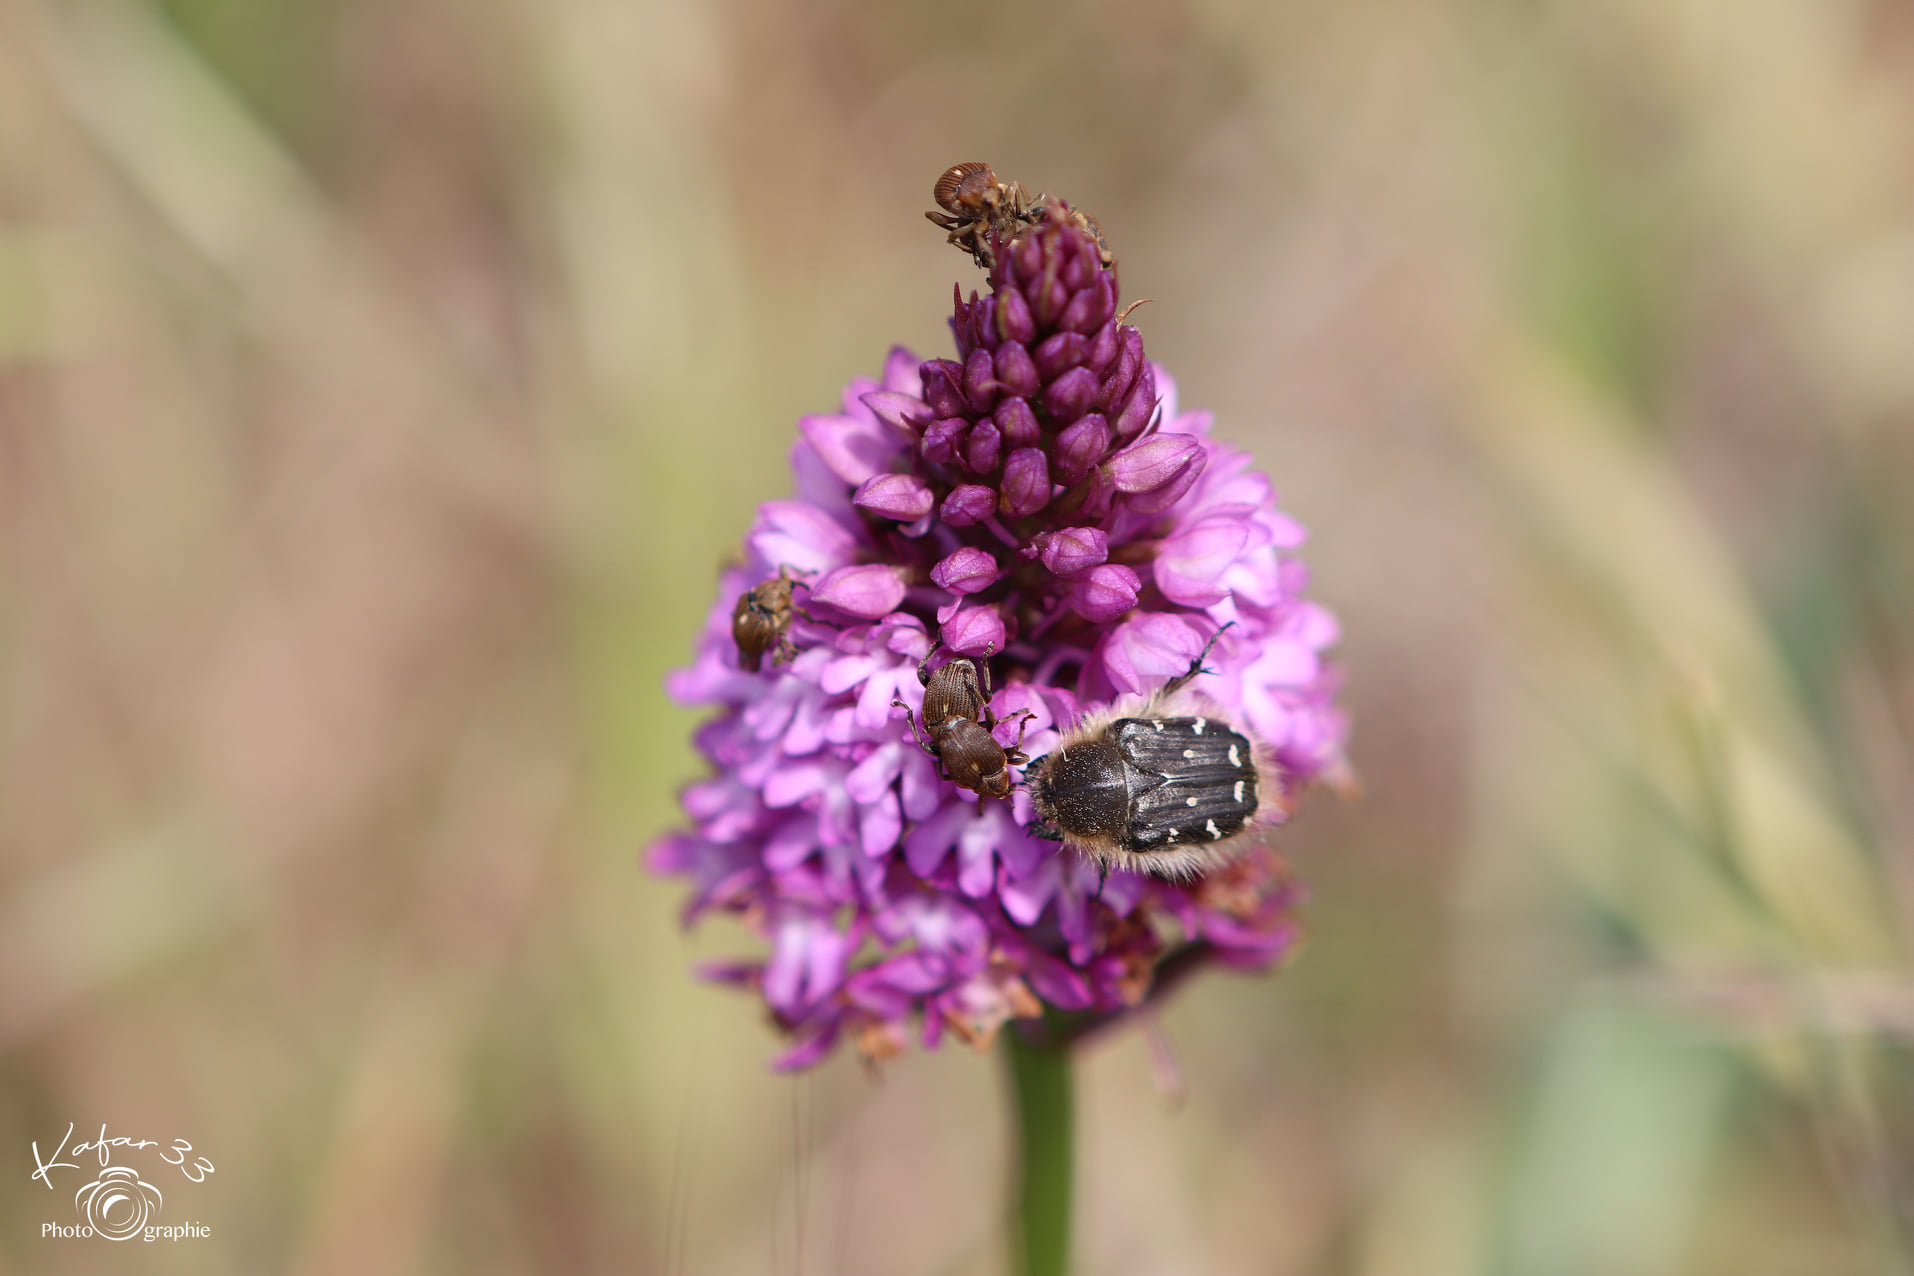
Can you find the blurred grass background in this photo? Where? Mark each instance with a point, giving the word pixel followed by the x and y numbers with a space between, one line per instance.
pixel 381 386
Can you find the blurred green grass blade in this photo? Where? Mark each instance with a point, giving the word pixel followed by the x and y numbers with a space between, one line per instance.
pixel 1611 1158
pixel 1643 632
pixel 189 143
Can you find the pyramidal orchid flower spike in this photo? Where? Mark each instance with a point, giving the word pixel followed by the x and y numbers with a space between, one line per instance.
pixel 1039 502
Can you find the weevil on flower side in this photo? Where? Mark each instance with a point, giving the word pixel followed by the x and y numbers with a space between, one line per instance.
pixel 762 621
pixel 957 727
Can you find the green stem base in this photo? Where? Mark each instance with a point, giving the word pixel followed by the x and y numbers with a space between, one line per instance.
pixel 1046 1134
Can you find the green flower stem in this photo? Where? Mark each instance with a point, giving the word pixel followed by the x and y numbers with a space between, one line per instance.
pixel 1046 1134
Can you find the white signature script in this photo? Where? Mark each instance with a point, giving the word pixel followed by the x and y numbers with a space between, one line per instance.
pixel 176 1154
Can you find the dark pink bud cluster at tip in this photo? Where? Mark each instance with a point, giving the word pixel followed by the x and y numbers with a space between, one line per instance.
pixel 1051 390
pixel 1040 498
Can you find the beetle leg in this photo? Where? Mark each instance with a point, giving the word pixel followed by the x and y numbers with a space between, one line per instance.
pixel 923 675
pixel 985 714
pixel 797 578
pixel 1015 753
pixel 915 739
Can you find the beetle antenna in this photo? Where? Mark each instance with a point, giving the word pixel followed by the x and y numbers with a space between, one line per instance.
pixel 1228 624
pixel 1176 684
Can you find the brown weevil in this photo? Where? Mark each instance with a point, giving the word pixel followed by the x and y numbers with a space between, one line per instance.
pixel 762 620
pixel 958 721
pixel 1152 786
pixel 975 205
